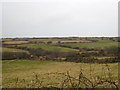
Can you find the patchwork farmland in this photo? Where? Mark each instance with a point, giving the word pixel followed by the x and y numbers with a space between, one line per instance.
pixel 60 62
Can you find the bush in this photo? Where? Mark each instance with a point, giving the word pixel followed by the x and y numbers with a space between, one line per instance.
pixel 15 55
pixel 36 51
pixel 113 50
pixel 49 42
pixel 86 58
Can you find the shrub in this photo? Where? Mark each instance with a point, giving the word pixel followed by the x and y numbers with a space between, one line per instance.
pixel 49 42
pixel 36 51
pixel 112 50
pixel 14 55
pixel 86 58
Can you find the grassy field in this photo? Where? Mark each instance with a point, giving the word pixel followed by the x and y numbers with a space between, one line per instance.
pixel 20 73
pixel 99 44
pixel 77 41
pixel 12 50
pixel 48 47
pixel 15 42
pixel 55 41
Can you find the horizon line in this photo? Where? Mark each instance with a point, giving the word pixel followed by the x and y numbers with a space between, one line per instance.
pixel 55 36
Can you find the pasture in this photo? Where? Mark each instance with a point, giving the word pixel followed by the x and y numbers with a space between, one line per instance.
pixel 15 42
pixel 12 50
pixel 48 47
pixel 99 44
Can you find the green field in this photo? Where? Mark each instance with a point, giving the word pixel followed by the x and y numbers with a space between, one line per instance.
pixel 12 50
pixel 55 41
pixel 20 73
pixel 77 41
pixel 15 42
pixel 99 44
pixel 48 47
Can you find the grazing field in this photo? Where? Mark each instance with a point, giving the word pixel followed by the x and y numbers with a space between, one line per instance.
pixel 22 73
pixel 15 42
pixel 48 47
pixel 99 44
pixel 77 41
pixel 12 50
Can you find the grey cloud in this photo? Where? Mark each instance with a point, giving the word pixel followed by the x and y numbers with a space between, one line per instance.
pixel 60 18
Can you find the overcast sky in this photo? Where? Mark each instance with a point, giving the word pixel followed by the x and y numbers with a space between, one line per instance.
pixel 46 18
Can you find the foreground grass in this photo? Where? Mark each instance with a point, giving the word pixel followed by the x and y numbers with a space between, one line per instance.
pixel 19 73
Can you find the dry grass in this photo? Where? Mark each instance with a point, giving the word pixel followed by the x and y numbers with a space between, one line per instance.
pixel 50 73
